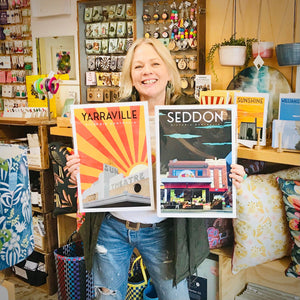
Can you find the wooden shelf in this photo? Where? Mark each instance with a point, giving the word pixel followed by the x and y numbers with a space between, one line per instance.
pixel 270 155
pixel 264 154
pixel 27 121
pixel 270 274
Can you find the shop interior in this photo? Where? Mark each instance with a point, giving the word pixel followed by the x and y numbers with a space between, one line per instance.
pixel 55 55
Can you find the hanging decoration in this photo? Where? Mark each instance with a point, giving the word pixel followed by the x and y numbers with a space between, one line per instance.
pixel 63 62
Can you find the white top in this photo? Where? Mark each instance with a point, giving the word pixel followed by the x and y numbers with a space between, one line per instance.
pixel 148 216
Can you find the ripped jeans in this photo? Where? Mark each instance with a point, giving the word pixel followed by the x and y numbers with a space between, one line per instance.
pixel 112 258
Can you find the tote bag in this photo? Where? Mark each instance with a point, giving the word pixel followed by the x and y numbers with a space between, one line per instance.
pixel 137 281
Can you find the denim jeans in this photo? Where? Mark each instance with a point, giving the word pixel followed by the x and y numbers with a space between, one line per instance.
pixel 112 258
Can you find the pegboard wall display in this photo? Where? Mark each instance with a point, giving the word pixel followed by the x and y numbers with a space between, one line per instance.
pixel 176 24
pixel 15 54
pixel 106 32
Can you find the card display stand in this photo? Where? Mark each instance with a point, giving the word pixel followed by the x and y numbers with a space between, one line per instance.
pixel 15 54
pixel 105 32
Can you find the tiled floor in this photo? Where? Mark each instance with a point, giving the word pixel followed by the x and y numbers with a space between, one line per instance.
pixel 24 291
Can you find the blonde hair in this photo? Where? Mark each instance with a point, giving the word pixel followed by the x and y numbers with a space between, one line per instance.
pixel 126 86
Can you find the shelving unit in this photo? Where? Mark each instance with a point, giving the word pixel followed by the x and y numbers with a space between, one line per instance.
pixel 11 128
pixel 15 55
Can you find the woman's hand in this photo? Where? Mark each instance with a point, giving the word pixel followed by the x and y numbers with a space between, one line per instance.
pixel 73 163
pixel 238 175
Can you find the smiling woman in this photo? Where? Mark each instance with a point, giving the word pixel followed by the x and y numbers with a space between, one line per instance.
pixel 149 74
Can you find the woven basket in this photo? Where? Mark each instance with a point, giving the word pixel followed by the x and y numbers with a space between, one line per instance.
pixel 288 54
pixel 73 280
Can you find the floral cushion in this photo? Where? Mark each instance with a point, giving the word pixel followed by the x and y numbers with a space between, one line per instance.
pixel 291 197
pixel 16 228
pixel 261 232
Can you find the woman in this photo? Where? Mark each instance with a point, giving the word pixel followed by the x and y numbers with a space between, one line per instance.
pixel 149 74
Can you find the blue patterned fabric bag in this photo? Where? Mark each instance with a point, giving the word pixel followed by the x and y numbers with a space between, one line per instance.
pixel 16 227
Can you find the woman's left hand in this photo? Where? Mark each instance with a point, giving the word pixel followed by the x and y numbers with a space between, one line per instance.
pixel 238 175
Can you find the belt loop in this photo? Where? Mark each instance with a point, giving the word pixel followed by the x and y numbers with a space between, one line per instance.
pixel 154 225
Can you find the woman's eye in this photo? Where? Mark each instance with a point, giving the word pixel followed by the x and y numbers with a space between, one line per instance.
pixel 138 67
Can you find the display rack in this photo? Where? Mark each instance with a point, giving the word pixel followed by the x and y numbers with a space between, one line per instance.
pixel 105 32
pixel 15 54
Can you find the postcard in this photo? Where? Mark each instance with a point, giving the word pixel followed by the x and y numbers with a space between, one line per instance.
pixel 289 107
pixel 214 97
pixel 252 109
pixel 286 134
pixel 113 143
pixel 202 83
pixel 195 146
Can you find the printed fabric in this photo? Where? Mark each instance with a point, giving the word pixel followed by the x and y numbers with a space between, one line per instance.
pixel 16 227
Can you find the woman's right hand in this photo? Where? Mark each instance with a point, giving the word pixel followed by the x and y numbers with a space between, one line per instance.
pixel 73 163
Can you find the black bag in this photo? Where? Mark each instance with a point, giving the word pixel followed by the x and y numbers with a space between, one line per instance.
pixel 65 191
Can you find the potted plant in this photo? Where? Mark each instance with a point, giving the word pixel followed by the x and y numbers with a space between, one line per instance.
pixel 232 52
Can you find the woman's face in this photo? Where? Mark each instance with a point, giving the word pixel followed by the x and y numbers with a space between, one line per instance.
pixel 149 74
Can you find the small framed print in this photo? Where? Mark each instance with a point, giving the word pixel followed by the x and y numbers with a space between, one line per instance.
pixel 97 13
pixel 112 32
pixel 111 12
pixel 129 11
pixel 113 46
pixel 120 11
pixel 89 46
pixel 105 10
pixel 114 95
pixel 96 29
pixel 90 78
pixel 121 29
pixel 104 46
pixel 88 31
pixel 113 63
pixel 130 29
pixel 104 29
pixel 97 46
pixel 103 79
pixel 115 78
pixel 120 63
pixel 91 63
pixel 88 13
pixel 105 63
pixel 129 42
pixel 121 46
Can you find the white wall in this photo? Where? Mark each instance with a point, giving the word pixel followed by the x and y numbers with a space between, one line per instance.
pixel 56 25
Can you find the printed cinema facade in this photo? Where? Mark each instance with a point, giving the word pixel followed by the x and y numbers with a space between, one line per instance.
pixel 195 184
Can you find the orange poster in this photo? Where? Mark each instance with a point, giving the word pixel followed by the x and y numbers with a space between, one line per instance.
pixel 113 143
pixel 252 117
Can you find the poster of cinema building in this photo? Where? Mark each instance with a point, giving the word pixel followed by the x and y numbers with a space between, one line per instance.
pixel 196 145
pixel 113 143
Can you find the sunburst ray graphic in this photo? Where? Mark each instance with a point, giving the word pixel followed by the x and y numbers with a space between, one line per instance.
pixel 112 135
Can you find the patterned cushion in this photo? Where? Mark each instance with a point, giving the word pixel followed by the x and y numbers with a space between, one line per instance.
pixel 260 230
pixel 291 197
